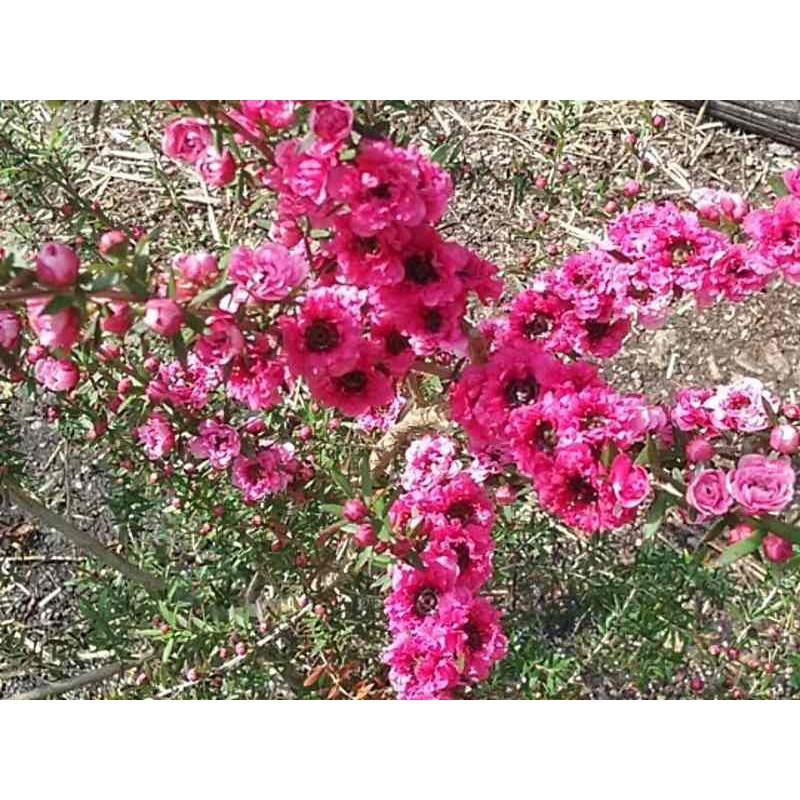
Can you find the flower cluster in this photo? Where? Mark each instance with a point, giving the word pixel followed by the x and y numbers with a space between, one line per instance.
pixel 445 635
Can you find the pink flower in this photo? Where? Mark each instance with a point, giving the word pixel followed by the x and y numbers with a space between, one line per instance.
pixel 739 406
pixel 776 548
pixel 60 329
pixel 268 273
pixel 354 509
pixel 360 388
pixel 164 316
pixel 429 461
pixel 186 139
pixel 784 439
pixel 222 343
pixel 269 472
pixel 215 168
pixel 119 320
pixel 762 485
pixel 331 121
pixel 276 113
pixel 708 493
pixel 389 186
pixel 630 482
pixel 418 594
pixel 57 375
pixel 739 532
pixel 257 377
pixel 200 269
pixel 156 436
pixel 217 442
pixel 699 450
pixel 326 333
pixel 184 387
pixel 113 243
pixel 10 327
pixel 791 177
pixel 57 265
pixel 484 642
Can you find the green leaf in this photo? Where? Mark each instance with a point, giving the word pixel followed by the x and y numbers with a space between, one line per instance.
pixel 739 550
pixel 778 186
pixel 167 650
pixel 331 508
pixel 366 476
pixel 784 529
pixel 342 482
pixel 179 346
pixel 771 415
pixel 59 302
pixel 655 515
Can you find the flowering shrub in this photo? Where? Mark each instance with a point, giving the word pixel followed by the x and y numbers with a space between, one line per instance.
pixel 353 301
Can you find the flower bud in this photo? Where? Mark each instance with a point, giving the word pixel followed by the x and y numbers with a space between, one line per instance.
pixel 57 265
pixel 164 316
pixel 784 439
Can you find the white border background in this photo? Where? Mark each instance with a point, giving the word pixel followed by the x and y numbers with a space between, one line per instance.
pixel 415 50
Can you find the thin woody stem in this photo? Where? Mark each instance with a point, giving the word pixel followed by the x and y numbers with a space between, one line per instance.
pixel 83 540
pixel 30 294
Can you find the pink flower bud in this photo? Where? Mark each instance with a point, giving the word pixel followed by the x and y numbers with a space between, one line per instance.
pixel 739 532
pixel 113 243
pixel 152 364
pixel 34 353
pixel 354 509
pixel 784 439
pixel 776 548
pixel 699 450
pixel 215 168
pixel 540 182
pixel 164 316
pixel 659 121
pixel 10 327
pixel 57 265
pixel 57 375
pixel 364 536
pixel 505 495
pixel 631 188
pixel 120 319
pixel 611 207
pixel 304 433
pixel 630 139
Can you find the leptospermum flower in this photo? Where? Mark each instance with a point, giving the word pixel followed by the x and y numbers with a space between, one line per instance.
pixel 156 436
pixel 186 139
pixel 164 316
pixel 762 485
pixel 217 442
pixel 57 375
pixel 10 327
pixel 708 493
pixel 57 265
pixel 268 273
pixel 60 329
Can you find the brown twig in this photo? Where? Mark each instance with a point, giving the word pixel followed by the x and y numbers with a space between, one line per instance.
pixel 83 540
pixel 61 687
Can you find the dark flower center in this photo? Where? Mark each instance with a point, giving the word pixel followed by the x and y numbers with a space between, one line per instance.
pixel 681 250
pixel 474 638
pixel 426 601
pixel 321 335
pixel 420 270
pixel 460 510
pixel 582 490
pixel 369 245
pixel 521 391
pixel 432 320
pixel 382 191
pixel 462 556
pixel 396 343
pixel 596 330
pixel 536 326
pixel 545 436
pixel 353 382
